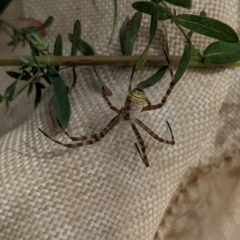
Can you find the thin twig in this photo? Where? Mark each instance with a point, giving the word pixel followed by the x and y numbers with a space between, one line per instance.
pixel 152 60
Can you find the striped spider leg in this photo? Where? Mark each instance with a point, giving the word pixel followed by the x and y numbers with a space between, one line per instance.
pixel 134 104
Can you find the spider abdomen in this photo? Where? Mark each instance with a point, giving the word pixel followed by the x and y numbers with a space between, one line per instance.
pixel 138 99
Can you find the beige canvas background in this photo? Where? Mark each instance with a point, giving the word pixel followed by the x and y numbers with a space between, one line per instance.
pixel 104 191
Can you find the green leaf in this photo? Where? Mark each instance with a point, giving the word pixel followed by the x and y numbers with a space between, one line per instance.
pixel 85 48
pixel 115 16
pixel 58 46
pixel 153 79
pixel 222 52
pixel 47 23
pixel 203 13
pixel 16 75
pixel 39 87
pixel 107 90
pixel 184 62
pixel 9 92
pixel 146 7
pixel 128 33
pixel 208 27
pixel 60 99
pixel 24 61
pixel 142 59
pixel 74 77
pixel 3 5
pixel 30 88
pixel 180 3
pixel 75 37
pixel 154 22
pixel 36 38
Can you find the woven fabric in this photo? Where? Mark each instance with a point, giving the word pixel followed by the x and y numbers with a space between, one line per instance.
pixel 104 191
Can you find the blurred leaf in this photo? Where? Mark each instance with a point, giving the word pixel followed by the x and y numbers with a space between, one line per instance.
pixel 47 23
pixel 74 77
pixel 26 76
pixel 222 52
pixel 146 7
pixel 128 33
pixel 36 38
pixel 30 88
pixel 95 6
pixel 60 99
pixel 208 27
pixel 85 48
pixel 102 84
pixel 142 58
pixel 9 92
pixel 24 61
pixel 39 87
pixel 181 3
pixel 153 29
pixel 75 37
pixel 3 5
pixel 184 62
pixel 154 22
pixel 58 46
pixel 115 16
pixel 153 79
pixel 203 13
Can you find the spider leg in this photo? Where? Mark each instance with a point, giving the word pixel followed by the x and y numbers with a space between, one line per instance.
pixel 148 102
pixel 141 142
pixel 156 106
pixel 108 101
pixel 127 105
pixel 95 137
pixel 169 90
pixel 154 135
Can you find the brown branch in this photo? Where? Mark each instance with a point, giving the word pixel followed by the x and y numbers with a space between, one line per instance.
pixel 152 60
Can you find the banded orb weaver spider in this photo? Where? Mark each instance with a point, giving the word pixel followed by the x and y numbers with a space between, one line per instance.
pixel 134 104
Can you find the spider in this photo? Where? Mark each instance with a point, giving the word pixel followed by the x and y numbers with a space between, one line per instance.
pixel 134 104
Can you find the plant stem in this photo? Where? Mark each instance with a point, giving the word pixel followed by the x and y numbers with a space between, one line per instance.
pixel 178 26
pixel 152 60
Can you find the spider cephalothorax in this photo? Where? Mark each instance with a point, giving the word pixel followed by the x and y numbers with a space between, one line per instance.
pixel 134 104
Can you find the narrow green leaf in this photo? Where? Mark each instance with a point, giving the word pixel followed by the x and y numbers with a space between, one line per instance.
pixel 128 33
pixel 36 38
pixel 58 46
pixel 102 84
pixel 39 86
pixel 13 74
pixel 24 61
pixel 3 5
pixel 115 16
pixel 203 13
pixel 85 48
pixel 142 58
pixel 75 37
pixel 180 3
pixel 60 99
pixel 30 88
pixel 16 75
pixel 146 7
pixel 222 52
pixel 184 62
pixel 208 27
pixel 154 22
pixel 10 90
pixel 74 77
pixel 155 78
pixel 47 23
